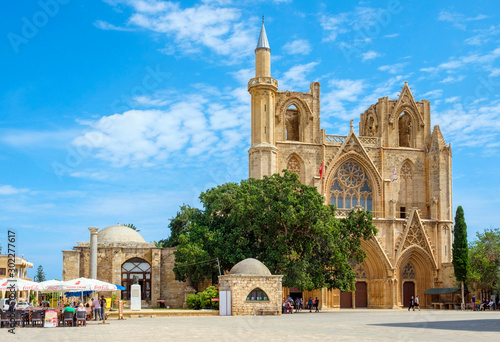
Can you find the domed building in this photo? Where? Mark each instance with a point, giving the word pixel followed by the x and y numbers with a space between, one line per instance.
pixel 250 288
pixel 121 254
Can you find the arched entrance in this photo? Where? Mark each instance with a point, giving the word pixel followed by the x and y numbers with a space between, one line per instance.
pixel 142 270
pixel 416 272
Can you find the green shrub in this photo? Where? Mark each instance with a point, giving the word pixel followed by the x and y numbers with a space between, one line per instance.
pixel 193 302
pixel 203 300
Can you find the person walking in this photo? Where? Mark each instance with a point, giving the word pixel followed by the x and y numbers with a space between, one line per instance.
pixel 412 301
pixel 97 308
pixel 417 303
pixel 301 304
pixel 473 300
pixel 316 304
pixel 310 303
pixel 297 305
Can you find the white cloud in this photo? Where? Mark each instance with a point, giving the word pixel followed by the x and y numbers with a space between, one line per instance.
pixel 483 61
pixel 204 124
pixel 391 35
pixel 394 68
pixel 296 76
pixel 463 122
pixel 31 138
pixel 451 79
pixel 341 91
pixel 483 36
pixel 367 18
pixel 10 190
pixel 346 99
pixel 433 94
pixel 211 25
pixel 297 47
pixel 452 99
pixel 458 19
pixel 104 25
pixel 370 55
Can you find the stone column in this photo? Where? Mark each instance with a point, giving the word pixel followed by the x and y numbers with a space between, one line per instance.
pixel 93 253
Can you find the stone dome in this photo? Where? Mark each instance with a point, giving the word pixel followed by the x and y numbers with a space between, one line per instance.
pixel 250 267
pixel 120 234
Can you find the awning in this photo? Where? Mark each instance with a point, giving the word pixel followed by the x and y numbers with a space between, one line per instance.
pixel 445 290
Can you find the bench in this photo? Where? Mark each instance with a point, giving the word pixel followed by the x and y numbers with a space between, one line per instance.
pixel 267 309
pixel 441 306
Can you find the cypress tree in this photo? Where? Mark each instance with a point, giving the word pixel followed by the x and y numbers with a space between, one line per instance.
pixel 460 250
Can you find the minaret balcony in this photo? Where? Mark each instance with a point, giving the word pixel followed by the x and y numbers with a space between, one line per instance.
pixel 263 81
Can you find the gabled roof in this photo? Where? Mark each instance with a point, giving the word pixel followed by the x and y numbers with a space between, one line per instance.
pixel 406 100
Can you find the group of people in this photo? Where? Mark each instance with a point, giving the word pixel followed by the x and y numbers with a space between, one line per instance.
pixel 414 303
pixel 98 306
pixel 484 304
pixel 298 304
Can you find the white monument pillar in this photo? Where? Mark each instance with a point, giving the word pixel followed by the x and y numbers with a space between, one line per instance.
pixel 135 297
pixel 93 253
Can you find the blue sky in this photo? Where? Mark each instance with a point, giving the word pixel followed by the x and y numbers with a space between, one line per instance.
pixel 122 110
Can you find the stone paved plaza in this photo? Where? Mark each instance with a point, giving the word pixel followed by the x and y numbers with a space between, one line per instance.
pixel 364 325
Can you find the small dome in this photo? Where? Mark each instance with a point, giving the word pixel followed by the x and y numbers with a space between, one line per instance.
pixel 119 234
pixel 250 267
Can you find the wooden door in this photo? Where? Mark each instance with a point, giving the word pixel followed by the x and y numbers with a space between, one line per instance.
pixel 361 295
pixel 346 300
pixel 408 291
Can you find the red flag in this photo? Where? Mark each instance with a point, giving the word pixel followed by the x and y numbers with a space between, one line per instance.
pixel 321 171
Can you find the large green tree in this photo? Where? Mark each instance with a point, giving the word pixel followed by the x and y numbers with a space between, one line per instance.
pixel 277 220
pixel 484 256
pixel 460 250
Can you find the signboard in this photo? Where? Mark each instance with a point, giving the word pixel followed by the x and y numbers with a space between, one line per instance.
pixel 50 319
pixel 120 309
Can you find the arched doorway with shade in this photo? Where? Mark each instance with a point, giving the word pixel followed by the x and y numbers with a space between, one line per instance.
pixel 140 268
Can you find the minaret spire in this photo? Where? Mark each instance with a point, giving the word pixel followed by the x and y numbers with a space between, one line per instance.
pixel 263 43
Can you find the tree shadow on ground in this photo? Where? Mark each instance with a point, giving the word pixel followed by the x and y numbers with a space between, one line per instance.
pixel 479 325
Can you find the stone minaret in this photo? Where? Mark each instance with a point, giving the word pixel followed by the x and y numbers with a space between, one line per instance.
pixel 262 88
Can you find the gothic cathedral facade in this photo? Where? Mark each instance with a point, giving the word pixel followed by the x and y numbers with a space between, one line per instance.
pixel 397 167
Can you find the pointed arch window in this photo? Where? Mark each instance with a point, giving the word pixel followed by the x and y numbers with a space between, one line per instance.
pixel 257 295
pixel 292 123
pixel 294 165
pixel 408 271
pixel 404 126
pixel 351 187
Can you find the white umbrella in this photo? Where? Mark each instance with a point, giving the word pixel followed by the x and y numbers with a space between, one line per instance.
pixel 51 285
pixel 19 284
pixel 86 284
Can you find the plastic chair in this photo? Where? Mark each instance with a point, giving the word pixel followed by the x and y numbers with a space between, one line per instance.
pixel 68 317
pixel 19 318
pixel 36 318
pixel 4 319
pixel 81 316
